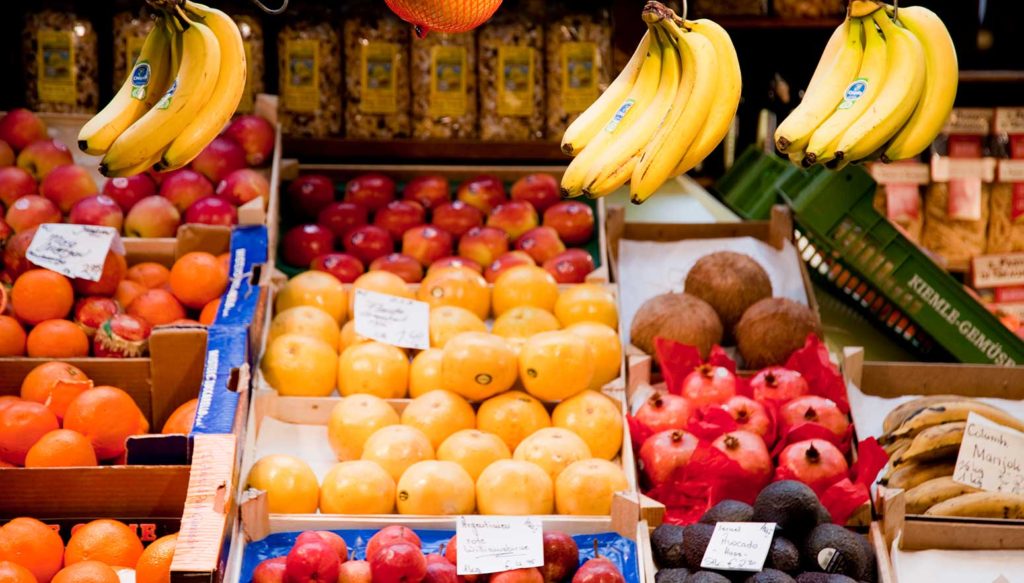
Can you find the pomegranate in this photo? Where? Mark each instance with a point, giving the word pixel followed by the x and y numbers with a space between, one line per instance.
pixel 749 414
pixel 663 452
pixel 748 450
pixel 778 385
pixel 661 412
pixel 709 385
pixel 815 462
pixel 813 409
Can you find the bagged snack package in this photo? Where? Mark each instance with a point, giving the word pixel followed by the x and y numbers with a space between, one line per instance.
pixel 310 73
pixel 444 86
pixel 377 102
pixel 1006 224
pixel 511 73
pixel 898 196
pixel 59 49
pixel 578 60
pixel 252 39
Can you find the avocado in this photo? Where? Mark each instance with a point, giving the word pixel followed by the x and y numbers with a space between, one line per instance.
pixel 812 578
pixel 671 575
pixel 728 511
pixel 824 516
pixel 695 542
pixel 769 576
pixel 707 577
pixel 834 549
pixel 667 544
pixel 871 574
pixel 837 578
pixel 783 555
pixel 790 504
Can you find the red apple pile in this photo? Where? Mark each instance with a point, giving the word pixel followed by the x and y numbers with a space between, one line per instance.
pixel 484 227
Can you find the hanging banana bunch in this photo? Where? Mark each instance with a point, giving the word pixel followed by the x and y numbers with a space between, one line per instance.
pixel 185 85
pixel 666 111
pixel 883 89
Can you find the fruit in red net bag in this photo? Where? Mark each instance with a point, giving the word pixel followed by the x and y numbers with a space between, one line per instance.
pixel 814 409
pixel 748 450
pixel 748 414
pixel 663 452
pixel 661 412
pixel 815 462
pixel 709 385
pixel 778 385
pixel 122 336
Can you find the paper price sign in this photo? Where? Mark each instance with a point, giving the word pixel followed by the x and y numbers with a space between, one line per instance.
pixel 739 546
pixel 991 457
pixel 490 544
pixel 392 320
pixel 76 251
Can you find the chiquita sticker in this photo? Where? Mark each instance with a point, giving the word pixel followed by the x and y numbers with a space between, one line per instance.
pixel 854 92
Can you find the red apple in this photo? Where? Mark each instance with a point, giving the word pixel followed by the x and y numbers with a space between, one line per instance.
pixel 212 210
pixel 518 576
pixel 541 243
pixel 354 572
pixel 483 192
pixel 7 155
pixel 91 312
pixel 114 270
pixel 20 127
pixel 219 158
pixel 431 191
pixel 403 266
pixel 814 409
pixel 368 243
pixel 483 244
pixel 436 558
pixel 514 217
pixel 570 266
pixel 505 262
pixel 309 194
pixel 66 185
pixel 573 220
pixel 244 185
pixel 440 571
pixel 14 261
pixel 5 232
pixel 343 266
pixel 398 562
pixel 455 261
pixel 598 570
pixel 256 136
pixel 337 543
pixel 373 190
pixel 40 157
pixel 390 535
pixel 341 217
pixel 153 216
pixel 270 571
pixel 31 211
pixel 97 210
pixel 457 218
pixel 184 187
pixel 561 555
pixel 128 190
pixel 426 243
pixel 302 244
pixel 540 190
pixel 15 183
pixel 398 216
pixel 311 560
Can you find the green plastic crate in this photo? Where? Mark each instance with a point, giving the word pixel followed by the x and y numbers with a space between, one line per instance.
pixel 749 185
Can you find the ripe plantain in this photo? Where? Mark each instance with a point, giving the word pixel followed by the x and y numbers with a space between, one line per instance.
pixel 923 496
pixel 914 474
pixel 981 505
pixel 952 411
pixel 934 443
pixel 903 411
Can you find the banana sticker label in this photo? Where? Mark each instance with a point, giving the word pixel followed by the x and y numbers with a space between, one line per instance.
pixel 619 115
pixel 378 85
pixel 579 76
pixel 302 77
pixel 140 80
pixel 448 82
pixel 515 81
pixel 168 97
pixel 55 66
pixel 854 92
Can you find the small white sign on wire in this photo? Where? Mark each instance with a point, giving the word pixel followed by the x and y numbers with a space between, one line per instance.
pixel 991 457
pixel 75 251
pixel 739 546
pixel 392 320
pixel 491 544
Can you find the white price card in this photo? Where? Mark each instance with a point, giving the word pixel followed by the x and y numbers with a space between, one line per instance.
pixel 76 251
pixel 392 320
pixel 739 546
pixel 490 544
pixel 991 457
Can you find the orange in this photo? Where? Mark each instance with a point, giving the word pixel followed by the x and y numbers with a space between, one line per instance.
pixel 307 321
pixel 382 282
pixel 524 321
pixel 197 278
pixel 54 384
pixel 556 365
pixel 373 368
pixel 15 573
pixel 289 482
pixel 181 419
pixel 425 372
pixel 513 487
pixel 595 418
pixel 12 337
pixel 87 572
pixel 553 449
pixel 456 286
pixel 209 312
pixel 21 425
pixel 525 285
pixel 396 447
pixel 587 302
pixel 588 487
pixel 225 260
pixel 33 545
pixel 353 420
pixel 607 348
pixel 157 306
pixel 154 565
pixel 318 289
pixel 448 321
pixel 474 450
pixel 127 291
pixel 477 365
pixel 357 487
pixel 347 337
pixel 512 416
pixel 439 414
pixel 61 448
pixel 40 294
pixel 104 540
pixel 436 488
pixel 57 339
pixel 149 274
pixel 107 416
pixel 300 366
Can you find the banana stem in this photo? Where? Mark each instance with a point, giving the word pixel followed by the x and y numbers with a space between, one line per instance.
pixel 166 5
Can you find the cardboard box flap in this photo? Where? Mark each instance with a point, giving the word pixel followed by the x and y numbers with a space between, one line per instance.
pixel 177 368
pixel 225 380
pixel 207 510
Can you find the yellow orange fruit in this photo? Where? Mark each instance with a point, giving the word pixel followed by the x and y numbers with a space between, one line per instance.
pixel 514 488
pixel 373 368
pixel 154 565
pixel 556 365
pixel 353 420
pixel 456 286
pixel 305 321
pixel 525 285
pixel 11 572
pixel 54 384
pixel 12 337
pixel 439 414
pixel 587 302
pixel 300 366
pixel 474 450
pixel 107 416
pixel 588 487
pixel 348 336
pixel 289 482
pixel 607 349
pixel 512 416
pixel 41 294
pixel 357 487
pixel 425 372
pixel 33 545
pixel 108 541
pixel 86 572
pixel 57 339
pixel 477 365
pixel 382 282
pixel 61 448
pixel 396 447
pixel 524 322
pixel 595 418
pixel 149 274
pixel 198 278
pixel 553 449
pixel 182 419
pixel 447 322
pixel 436 488
pixel 314 288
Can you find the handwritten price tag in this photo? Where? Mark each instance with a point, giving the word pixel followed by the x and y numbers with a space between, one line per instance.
pixel 739 546
pixel 76 251
pixel 991 457
pixel 489 544
pixel 392 320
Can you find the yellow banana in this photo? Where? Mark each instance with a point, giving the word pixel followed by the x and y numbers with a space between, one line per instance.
pixel 912 474
pixel 226 95
pixel 855 99
pixel 904 411
pixel 950 411
pixel 583 129
pixel 839 63
pixel 895 103
pixel 692 104
pixel 981 505
pixel 145 84
pixel 923 496
pixel 934 443
pixel 727 96
pixel 191 89
pixel 939 89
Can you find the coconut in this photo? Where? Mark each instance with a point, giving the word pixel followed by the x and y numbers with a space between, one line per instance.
pixel 730 283
pixel 680 317
pixel 122 336
pixel 772 329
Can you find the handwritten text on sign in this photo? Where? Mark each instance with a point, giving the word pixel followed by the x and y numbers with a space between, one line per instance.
pixel 490 544
pixel 991 457
pixel 739 546
pixel 392 320
pixel 73 250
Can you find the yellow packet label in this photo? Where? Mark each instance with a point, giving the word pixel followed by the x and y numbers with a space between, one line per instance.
pixel 515 81
pixel 579 76
pixel 302 79
pixel 378 84
pixel 55 66
pixel 447 81
pixel 246 103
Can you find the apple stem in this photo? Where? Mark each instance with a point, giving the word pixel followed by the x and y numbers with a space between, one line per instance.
pixel 597 552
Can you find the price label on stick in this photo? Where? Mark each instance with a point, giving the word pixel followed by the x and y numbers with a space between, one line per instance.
pixel 991 457
pixel 76 251
pixel 392 320
pixel 491 544
pixel 739 546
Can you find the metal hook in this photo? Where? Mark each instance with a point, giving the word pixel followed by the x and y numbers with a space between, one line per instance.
pixel 685 11
pixel 895 10
pixel 275 11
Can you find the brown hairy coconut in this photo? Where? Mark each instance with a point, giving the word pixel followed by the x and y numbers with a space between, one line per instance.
pixel 772 329
pixel 681 317
pixel 730 283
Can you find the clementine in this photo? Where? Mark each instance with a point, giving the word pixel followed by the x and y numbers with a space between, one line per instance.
pixel 149 274
pixel 61 448
pixel 40 294
pixel 21 425
pixel 33 545
pixel 157 306
pixel 182 419
pixel 54 384
pixel 107 416
pixel 87 572
pixel 12 337
pixel 15 573
pixel 105 540
pixel 114 269
pixel 209 312
pixel 198 278
pixel 57 339
pixel 154 565
pixel 127 291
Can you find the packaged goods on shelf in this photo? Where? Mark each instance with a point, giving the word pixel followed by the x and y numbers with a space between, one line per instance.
pixel 898 196
pixel 578 63
pixel 310 73
pixel 807 8
pixel 1006 223
pixel 60 55
pixel 706 8
pixel 377 74
pixel 252 39
pixel 444 84
pixel 511 74
pixel 130 30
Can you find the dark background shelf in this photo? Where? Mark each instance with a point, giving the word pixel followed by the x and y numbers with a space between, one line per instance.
pixel 412 151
